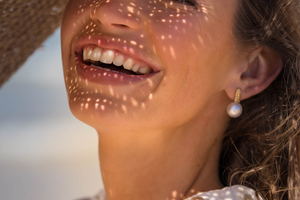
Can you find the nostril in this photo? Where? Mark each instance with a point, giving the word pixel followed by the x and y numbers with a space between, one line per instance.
pixel 108 15
pixel 120 25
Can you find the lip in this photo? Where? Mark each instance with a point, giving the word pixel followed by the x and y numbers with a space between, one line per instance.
pixel 111 78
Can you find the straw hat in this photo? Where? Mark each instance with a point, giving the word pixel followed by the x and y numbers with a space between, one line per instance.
pixel 24 25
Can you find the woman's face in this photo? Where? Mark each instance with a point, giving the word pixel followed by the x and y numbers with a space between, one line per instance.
pixel 183 55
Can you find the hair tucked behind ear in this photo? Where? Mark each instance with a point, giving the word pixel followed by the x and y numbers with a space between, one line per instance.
pixel 260 147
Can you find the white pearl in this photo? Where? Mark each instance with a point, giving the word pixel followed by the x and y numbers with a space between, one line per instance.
pixel 234 110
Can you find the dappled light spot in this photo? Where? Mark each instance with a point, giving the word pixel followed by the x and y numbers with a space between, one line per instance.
pixel 124 109
pixel 172 52
pixel 133 42
pixel 151 96
pixel 134 102
pixel 150 82
pixel 131 50
pixel 143 105
pixel 194 47
pixel 130 9
pixel 174 194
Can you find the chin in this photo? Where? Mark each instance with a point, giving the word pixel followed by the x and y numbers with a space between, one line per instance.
pixel 110 115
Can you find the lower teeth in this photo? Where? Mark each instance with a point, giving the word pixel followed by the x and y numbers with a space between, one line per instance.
pixel 122 71
pixel 106 69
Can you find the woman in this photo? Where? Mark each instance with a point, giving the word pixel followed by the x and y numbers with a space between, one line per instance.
pixel 155 78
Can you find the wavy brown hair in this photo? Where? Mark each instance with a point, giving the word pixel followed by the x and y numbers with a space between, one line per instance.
pixel 260 147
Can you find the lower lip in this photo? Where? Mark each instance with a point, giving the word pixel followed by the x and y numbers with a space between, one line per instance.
pixel 104 77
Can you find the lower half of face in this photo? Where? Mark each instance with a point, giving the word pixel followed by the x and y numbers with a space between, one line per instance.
pixel 185 53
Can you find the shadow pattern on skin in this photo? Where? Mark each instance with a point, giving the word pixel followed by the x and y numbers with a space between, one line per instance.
pixel 92 97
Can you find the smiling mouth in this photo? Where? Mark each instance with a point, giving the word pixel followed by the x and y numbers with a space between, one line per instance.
pixel 111 60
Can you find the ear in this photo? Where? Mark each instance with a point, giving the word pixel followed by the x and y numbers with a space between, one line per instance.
pixel 261 69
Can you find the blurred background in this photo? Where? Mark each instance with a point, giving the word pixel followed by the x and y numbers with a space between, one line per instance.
pixel 45 152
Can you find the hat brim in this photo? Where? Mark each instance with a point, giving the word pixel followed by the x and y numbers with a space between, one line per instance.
pixel 24 26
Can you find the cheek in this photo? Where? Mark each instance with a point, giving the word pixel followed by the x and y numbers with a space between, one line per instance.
pixel 75 18
pixel 191 53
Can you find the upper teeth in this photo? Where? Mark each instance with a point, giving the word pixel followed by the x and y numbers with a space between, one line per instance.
pixel 110 56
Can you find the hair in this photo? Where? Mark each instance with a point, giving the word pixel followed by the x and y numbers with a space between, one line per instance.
pixel 260 148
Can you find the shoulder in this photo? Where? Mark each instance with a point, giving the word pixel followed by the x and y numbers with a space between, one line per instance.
pixel 236 192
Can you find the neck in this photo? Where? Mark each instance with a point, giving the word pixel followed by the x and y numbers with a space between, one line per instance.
pixel 163 164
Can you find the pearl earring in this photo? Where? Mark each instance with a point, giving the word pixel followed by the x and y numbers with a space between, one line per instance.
pixel 235 109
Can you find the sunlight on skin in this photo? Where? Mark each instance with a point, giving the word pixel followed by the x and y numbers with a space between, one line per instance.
pixel 182 45
pixel 170 14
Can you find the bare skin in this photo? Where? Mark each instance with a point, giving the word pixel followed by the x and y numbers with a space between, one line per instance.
pixel 160 137
pixel 160 164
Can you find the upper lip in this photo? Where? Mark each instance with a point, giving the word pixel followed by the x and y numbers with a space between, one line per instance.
pixel 107 43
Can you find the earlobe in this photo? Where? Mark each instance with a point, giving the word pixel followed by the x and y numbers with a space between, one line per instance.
pixel 263 68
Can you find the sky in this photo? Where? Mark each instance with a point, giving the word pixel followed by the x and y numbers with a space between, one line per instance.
pixel 45 152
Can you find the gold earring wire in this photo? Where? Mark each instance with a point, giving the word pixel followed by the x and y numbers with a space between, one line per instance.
pixel 237 96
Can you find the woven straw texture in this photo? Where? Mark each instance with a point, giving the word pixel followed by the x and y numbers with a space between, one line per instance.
pixel 24 25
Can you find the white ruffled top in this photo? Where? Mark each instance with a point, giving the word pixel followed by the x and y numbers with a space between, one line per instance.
pixel 236 192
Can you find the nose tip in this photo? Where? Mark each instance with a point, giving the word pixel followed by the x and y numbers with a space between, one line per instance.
pixel 116 15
